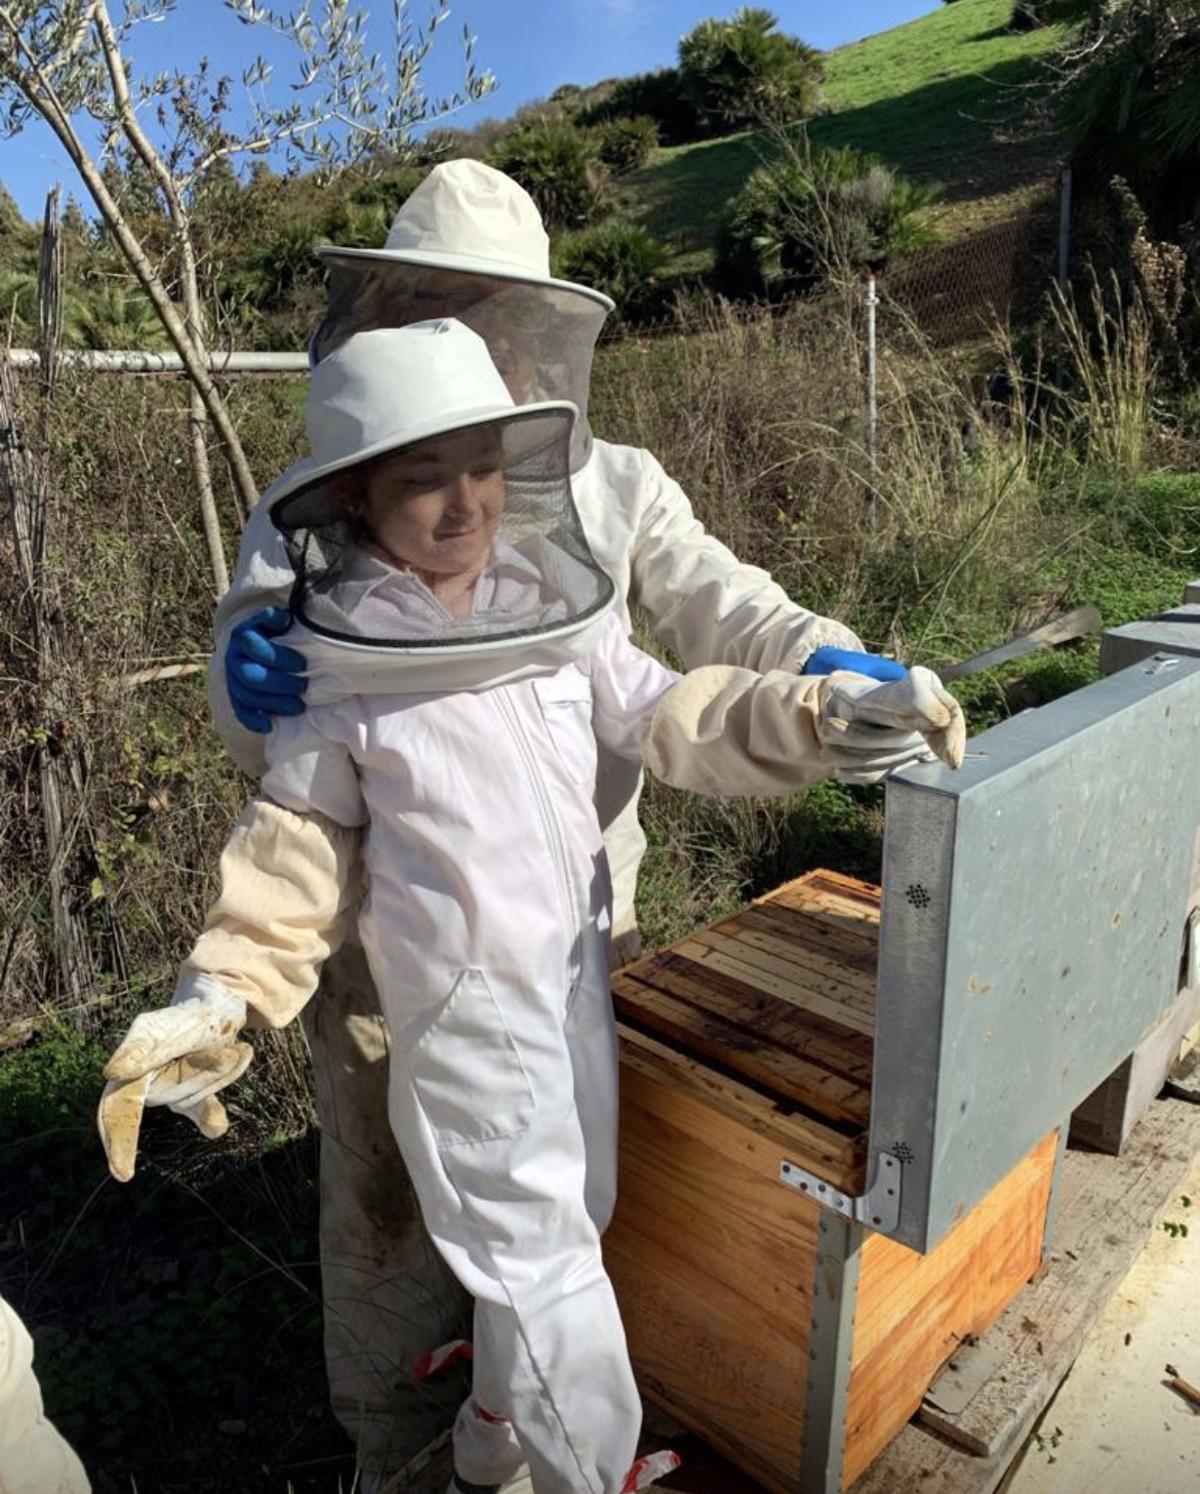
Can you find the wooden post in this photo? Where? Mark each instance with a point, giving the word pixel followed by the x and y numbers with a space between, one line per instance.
pixel 62 767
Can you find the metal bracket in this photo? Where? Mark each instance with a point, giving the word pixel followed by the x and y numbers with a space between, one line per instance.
pixel 878 1207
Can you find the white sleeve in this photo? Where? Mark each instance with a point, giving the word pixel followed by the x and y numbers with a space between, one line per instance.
pixel 703 602
pixel 310 767
pixel 263 578
pixel 627 685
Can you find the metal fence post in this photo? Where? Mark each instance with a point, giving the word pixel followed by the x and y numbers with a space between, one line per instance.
pixel 872 408
pixel 1064 227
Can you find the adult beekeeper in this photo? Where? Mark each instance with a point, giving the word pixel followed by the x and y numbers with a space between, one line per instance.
pixel 34 1459
pixel 466 662
pixel 469 243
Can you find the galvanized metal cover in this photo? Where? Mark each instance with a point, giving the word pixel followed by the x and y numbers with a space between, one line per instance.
pixel 1034 911
pixel 1175 632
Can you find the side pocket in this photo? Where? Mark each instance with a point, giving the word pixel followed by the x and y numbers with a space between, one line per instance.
pixel 466 1071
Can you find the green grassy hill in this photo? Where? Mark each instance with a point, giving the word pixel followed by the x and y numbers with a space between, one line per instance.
pixel 929 97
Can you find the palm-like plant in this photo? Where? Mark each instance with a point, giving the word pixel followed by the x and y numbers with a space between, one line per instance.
pixel 743 71
pixel 1129 76
pixel 559 166
pixel 620 259
pixel 18 303
pixel 114 316
pixel 812 213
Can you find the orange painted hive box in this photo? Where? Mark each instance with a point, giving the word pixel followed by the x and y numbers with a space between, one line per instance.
pixel 795 1339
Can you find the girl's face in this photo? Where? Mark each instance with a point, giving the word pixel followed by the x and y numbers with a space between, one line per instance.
pixel 436 506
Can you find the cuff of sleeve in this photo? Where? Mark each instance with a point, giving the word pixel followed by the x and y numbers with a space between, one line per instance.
pixel 824 633
pixel 198 985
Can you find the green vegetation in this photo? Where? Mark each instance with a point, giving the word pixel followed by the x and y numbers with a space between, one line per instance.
pixel 626 144
pixel 811 212
pixel 743 70
pixel 559 166
pixel 617 258
pixel 927 98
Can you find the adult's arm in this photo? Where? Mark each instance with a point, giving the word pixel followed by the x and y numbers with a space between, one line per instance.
pixel 723 730
pixel 705 603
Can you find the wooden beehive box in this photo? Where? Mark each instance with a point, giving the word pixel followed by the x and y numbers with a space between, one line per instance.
pixel 795 1340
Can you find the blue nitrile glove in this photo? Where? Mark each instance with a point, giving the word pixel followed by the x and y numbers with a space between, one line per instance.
pixel 874 666
pixel 264 678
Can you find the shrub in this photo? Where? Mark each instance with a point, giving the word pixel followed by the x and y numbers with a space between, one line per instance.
pixel 620 259
pixel 114 316
pixel 625 144
pixel 796 219
pixel 559 166
pixel 741 72
pixel 659 96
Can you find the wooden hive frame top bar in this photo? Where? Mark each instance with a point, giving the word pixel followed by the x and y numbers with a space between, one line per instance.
pixel 770 1016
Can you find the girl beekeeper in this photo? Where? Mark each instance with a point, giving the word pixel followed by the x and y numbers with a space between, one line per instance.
pixel 464 662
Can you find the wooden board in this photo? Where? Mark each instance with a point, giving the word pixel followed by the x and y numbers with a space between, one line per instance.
pixel 913 1310
pixel 780 999
pixel 1106 1209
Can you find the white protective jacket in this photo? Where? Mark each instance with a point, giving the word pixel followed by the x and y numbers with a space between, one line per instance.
pixel 703 603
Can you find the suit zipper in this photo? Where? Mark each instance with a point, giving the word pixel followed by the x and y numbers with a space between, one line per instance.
pixel 552 827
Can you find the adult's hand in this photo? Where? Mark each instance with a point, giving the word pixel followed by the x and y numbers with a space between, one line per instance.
pixel 264 678
pixel 870 730
pixel 874 666
pixel 180 1056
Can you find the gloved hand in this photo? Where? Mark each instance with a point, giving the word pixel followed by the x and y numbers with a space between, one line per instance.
pixel 264 679
pixel 180 1057
pixel 874 666
pixel 870 730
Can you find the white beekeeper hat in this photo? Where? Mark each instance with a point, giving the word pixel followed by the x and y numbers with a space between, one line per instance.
pixel 362 619
pixel 469 243
pixel 393 387
pixel 470 218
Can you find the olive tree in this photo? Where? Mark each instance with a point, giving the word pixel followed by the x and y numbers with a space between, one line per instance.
pixel 73 63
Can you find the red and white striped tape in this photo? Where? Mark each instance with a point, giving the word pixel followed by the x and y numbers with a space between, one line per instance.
pixel 649 1470
pixel 437 1360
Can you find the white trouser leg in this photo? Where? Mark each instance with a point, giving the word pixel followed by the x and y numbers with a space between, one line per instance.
pixel 485 1110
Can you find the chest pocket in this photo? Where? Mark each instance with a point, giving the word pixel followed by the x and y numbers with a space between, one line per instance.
pixel 565 701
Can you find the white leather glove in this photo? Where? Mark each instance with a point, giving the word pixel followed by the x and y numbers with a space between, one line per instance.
pixel 179 1056
pixel 870 730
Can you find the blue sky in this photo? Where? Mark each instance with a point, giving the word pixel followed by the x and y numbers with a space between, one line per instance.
pixel 531 45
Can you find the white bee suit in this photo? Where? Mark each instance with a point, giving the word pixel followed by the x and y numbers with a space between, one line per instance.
pixel 386 1302
pixel 485 924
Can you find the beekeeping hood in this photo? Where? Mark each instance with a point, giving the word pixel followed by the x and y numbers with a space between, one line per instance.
pixel 368 625
pixel 469 244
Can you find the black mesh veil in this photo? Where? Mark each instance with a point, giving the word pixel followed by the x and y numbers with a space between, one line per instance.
pixel 541 336
pixel 538 578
